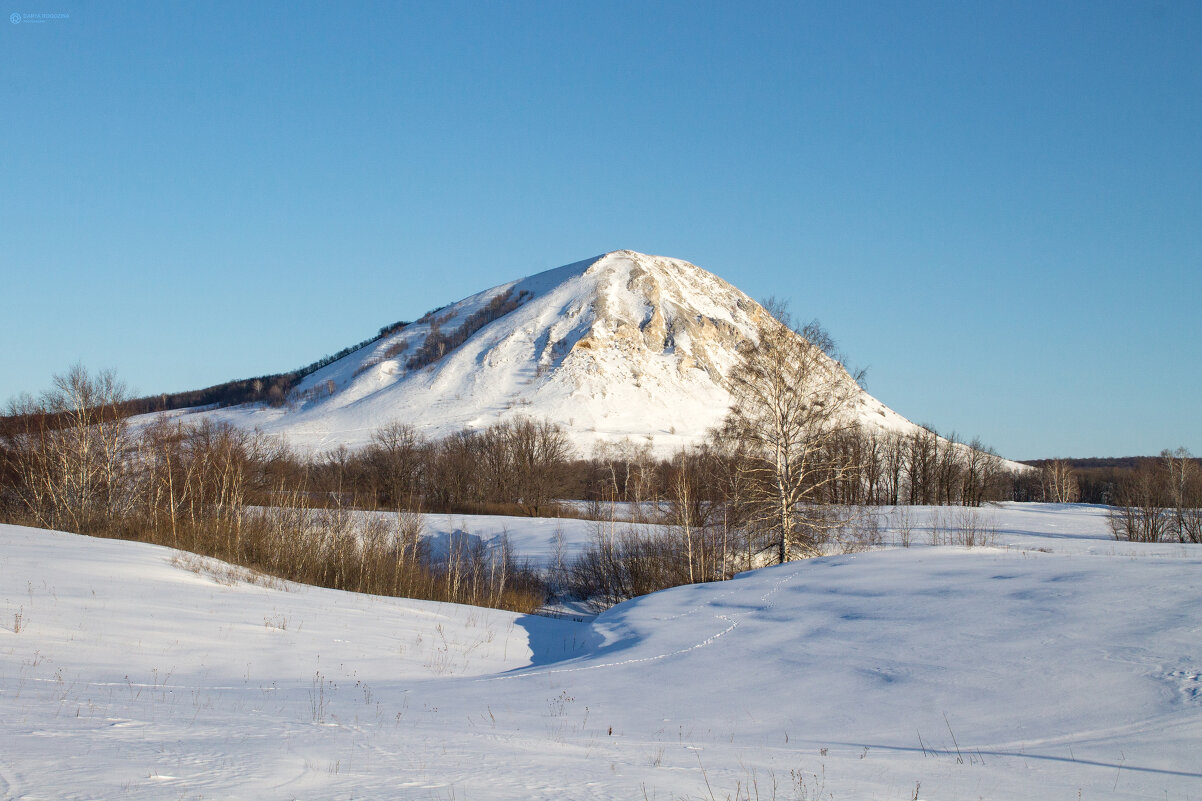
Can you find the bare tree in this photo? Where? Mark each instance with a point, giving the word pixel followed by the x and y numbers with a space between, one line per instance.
pixel 396 458
pixel 682 495
pixel 1184 496
pixel 732 476
pixel 1059 482
pixel 628 467
pixel 948 469
pixel 68 450
pixel 921 452
pixel 981 474
pixel 791 402
pixel 894 462
pixel 1141 512
pixel 540 453
pixel 873 443
pixel 690 509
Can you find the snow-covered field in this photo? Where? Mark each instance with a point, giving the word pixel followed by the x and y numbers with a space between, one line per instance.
pixel 541 541
pixel 1058 664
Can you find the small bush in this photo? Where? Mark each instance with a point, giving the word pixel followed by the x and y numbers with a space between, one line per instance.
pixel 627 563
pixel 395 349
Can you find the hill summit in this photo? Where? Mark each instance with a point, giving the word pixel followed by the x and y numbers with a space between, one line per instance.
pixel 624 345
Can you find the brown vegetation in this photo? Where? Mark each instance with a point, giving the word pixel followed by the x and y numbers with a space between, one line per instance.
pixel 438 344
pixel 275 389
pixel 1160 500
pixel 69 460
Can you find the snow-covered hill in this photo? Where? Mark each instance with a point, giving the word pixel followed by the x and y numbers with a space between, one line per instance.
pixel 1058 665
pixel 623 345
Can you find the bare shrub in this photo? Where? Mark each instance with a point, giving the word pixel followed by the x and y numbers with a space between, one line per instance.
pixel 970 530
pixel 938 528
pixel 395 349
pixel 866 529
pixel 1189 523
pixel 848 529
pixel 630 562
pixel 903 523
pixel 1142 509
pixel 390 351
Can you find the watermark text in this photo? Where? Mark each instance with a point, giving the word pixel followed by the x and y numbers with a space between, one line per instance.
pixel 35 17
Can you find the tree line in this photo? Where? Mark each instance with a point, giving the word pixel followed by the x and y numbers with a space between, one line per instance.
pixel 70 460
pixel 274 389
pixel 790 473
pixel 1151 499
pixel 277 389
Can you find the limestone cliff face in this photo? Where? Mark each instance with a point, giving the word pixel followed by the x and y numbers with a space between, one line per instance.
pixel 653 307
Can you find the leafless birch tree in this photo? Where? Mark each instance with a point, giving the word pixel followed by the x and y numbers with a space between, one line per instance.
pixel 791 402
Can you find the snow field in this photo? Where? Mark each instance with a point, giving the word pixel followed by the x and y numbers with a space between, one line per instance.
pixel 1057 663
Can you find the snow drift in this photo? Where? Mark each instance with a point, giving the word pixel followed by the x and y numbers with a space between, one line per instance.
pixel 1059 664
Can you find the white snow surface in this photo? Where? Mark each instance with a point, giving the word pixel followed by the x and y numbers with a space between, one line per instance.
pixel 1058 664
pixel 620 346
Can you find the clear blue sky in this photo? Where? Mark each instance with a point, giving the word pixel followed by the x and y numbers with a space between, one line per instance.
pixel 995 207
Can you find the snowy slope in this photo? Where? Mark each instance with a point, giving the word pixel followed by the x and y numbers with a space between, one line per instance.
pixel 624 345
pixel 1064 667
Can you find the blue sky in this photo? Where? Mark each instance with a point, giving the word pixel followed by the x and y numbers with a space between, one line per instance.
pixel 994 207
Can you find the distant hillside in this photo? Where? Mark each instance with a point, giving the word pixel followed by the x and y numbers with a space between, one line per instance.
pixel 621 346
pixel 272 390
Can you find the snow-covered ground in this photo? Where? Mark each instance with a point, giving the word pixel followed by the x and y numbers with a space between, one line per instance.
pixel 541 541
pixel 1058 664
pixel 1072 528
